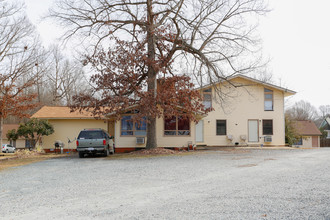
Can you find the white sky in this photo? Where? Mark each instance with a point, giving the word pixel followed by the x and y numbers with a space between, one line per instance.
pixel 296 37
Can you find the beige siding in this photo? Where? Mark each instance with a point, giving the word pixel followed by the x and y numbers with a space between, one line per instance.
pixel 308 142
pixel 162 141
pixel 245 103
pixel 69 129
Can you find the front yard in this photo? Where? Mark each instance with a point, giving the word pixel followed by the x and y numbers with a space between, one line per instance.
pixel 23 157
pixel 223 184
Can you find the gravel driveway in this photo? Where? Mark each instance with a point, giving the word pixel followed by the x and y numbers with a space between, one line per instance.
pixel 249 184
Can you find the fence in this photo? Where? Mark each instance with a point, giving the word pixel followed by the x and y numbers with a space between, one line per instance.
pixel 325 142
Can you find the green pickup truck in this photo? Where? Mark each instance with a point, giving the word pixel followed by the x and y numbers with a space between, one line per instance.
pixel 94 141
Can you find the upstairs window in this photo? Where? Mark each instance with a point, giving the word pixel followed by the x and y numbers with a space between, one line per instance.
pixel 207 98
pixel 268 100
pixel 176 126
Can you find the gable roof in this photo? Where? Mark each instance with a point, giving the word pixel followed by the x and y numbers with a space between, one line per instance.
pixel 306 128
pixel 287 92
pixel 62 112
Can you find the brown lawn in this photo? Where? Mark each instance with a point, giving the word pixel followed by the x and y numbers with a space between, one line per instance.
pixel 23 157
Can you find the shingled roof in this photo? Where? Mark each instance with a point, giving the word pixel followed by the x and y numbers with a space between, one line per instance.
pixel 306 128
pixel 56 112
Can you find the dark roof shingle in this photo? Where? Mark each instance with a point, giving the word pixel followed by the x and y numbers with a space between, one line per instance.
pixel 306 128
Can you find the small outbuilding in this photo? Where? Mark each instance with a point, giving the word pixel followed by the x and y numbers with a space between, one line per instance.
pixel 310 134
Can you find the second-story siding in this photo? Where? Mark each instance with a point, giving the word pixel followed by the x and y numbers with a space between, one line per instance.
pixel 237 107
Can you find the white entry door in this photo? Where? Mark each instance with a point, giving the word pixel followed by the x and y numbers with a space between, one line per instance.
pixel 253 131
pixel 200 132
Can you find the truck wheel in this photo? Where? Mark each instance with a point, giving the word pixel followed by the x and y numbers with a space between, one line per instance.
pixel 81 154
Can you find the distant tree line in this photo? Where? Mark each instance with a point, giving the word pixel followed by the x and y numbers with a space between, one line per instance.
pixel 303 110
pixel 31 75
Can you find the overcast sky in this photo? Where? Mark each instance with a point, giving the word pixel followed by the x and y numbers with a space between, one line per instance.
pixel 296 37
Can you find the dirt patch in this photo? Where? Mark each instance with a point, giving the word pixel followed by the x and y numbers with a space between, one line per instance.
pixel 269 159
pixel 248 165
pixel 19 154
pixel 157 151
pixel 235 150
pixel 240 158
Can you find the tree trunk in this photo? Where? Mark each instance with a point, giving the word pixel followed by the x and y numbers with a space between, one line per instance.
pixel 152 77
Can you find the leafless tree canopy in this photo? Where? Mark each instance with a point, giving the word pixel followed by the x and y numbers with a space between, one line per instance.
pixel 324 111
pixel 64 78
pixel 209 39
pixel 18 43
pixel 302 110
pixel 18 56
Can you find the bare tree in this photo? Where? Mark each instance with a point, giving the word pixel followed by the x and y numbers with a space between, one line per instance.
pixel 65 78
pixel 324 111
pixel 18 56
pixel 207 40
pixel 302 110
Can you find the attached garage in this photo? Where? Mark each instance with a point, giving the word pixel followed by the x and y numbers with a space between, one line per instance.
pixel 67 126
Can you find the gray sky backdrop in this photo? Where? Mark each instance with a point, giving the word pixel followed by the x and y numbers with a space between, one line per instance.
pixel 295 34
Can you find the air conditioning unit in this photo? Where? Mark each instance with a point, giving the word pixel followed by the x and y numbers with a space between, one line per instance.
pixel 140 140
pixel 268 139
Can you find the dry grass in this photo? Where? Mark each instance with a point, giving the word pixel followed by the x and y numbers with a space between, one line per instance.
pixel 24 157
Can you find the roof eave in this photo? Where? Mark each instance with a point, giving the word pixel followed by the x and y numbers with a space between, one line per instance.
pixel 287 92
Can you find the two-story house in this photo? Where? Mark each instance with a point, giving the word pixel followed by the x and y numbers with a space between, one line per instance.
pixel 247 112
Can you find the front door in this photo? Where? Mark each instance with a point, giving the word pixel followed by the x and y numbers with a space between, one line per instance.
pixel 200 132
pixel 315 141
pixel 253 131
pixel 111 129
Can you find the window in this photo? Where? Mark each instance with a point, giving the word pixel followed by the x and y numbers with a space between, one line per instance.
pixel 268 100
pixel 88 134
pixel 207 98
pixel 30 143
pixel 127 128
pixel 176 126
pixel 221 127
pixel 267 127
